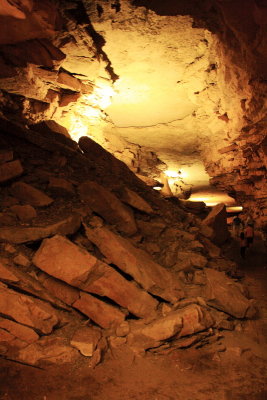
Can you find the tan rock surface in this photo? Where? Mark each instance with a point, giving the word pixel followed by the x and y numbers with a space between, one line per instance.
pixel 19 234
pixel 101 313
pixel 85 340
pixel 135 262
pixel 31 195
pixel 108 206
pixel 27 310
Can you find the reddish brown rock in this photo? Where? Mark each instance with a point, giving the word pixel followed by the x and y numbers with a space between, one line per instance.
pixel 182 322
pixel 25 334
pixel 6 155
pixel 5 274
pixel 27 310
pixel 224 294
pixel 136 201
pixel 135 262
pixel 108 206
pixel 10 170
pixel 102 314
pixel 60 186
pixel 18 234
pixel 66 261
pixel 31 195
pixel 59 289
pixel 24 213
pixel 86 339
pixel 53 350
pixel 217 220
pixel 21 259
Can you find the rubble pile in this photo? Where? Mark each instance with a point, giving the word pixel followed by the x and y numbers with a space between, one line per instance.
pixel 91 258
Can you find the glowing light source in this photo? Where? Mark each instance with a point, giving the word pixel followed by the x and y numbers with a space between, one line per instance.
pixel 171 174
pixel 234 209
pixel 157 187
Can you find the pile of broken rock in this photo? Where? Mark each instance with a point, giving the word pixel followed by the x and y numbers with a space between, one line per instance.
pixel 91 258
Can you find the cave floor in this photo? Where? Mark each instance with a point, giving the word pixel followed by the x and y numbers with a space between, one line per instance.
pixel 232 369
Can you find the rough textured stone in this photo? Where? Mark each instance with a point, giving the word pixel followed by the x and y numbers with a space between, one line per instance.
pixel 10 170
pixel 66 261
pixel 85 340
pixel 225 295
pixel 61 186
pixel 102 314
pixel 53 350
pixel 182 322
pixel 25 334
pixel 108 206
pixel 6 155
pixel 134 200
pixel 217 220
pixel 59 289
pixel 135 262
pixel 5 274
pixel 30 194
pixel 20 259
pixel 23 235
pixel 27 310
pixel 24 213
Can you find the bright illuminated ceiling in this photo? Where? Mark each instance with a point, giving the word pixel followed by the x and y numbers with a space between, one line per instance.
pixel 166 97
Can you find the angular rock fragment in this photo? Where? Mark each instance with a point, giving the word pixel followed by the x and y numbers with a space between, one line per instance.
pixel 86 339
pixel 16 335
pixel 217 220
pixel 27 310
pixel 59 289
pixel 102 314
pixel 108 206
pixel 6 155
pixel 54 350
pixel 19 234
pixel 179 323
pixel 59 186
pixel 136 201
pixel 5 274
pixel 135 262
pixel 25 213
pixel 64 260
pixel 10 170
pixel 31 195
pixel 225 295
pixel 188 259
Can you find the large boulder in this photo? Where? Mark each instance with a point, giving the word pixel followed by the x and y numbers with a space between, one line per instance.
pixel 19 234
pixel 178 323
pixel 106 204
pixel 226 295
pixel 68 262
pixel 217 220
pixel 103 314
pixel 135 262
pixel 30 195
pixel 27 310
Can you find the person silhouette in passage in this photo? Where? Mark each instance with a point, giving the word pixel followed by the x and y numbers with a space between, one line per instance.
pixel 249 234
pixel 243 244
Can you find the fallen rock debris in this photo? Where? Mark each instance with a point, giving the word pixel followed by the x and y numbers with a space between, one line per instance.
pixel 92 259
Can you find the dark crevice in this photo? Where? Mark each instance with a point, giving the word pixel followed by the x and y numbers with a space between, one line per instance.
pixel 99 10
pixel 116 6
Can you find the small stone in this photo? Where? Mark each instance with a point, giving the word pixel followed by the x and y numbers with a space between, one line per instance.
pixel 24 213
pixel 9 248
pixel 20 259
pixel 123 329
pixel 10 170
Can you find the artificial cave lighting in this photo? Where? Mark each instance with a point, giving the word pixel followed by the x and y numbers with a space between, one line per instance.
pixel 88 111
pixel 157 187
pixel 234 209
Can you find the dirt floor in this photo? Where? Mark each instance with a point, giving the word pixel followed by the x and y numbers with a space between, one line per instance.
pixel 233 368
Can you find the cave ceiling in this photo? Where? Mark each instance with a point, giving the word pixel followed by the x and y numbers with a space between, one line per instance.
pixel 162 85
